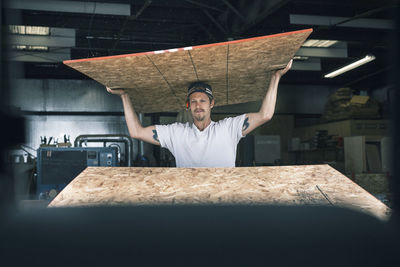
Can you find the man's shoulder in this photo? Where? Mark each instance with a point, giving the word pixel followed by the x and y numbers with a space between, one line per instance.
pixel 229 120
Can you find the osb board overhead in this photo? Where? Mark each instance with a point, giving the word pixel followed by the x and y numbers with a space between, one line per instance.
pixel 286 185
pixel 238 71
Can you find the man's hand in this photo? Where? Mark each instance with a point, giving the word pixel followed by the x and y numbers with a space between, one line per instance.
pixel 281 72
pixel 116 91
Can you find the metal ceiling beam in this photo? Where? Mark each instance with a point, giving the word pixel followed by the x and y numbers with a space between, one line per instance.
pixel 59 37
pixel 204 5
pixel 99 22
pixel 210 35
pixel 57 55
pixel 216 23
pixel 269 8
pixel 337 21
pixel 155 38
pixel 235 10
pixel 133 17
pixel 312 64
pixel 140 11
pixel 369 75
pixel 71 6
pixel 322 52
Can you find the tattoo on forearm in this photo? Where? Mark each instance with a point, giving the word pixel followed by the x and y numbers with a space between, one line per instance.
pixel 246 124
pixel 155 136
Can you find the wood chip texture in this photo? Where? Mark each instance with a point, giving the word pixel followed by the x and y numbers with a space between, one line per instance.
pixel 238 71
pixel 283 185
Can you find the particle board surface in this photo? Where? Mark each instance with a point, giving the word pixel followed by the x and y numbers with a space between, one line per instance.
pixel 238 71
pixel 284 185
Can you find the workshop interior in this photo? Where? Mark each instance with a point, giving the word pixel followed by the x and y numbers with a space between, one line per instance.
pixel 336 107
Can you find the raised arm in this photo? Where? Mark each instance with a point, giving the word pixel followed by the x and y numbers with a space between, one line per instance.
pixel 135 128
pixel 253 120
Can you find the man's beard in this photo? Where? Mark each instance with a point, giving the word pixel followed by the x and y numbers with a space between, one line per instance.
pixel 198 117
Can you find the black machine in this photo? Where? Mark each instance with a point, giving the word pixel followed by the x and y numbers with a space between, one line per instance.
pixel 259 150
pixel 57 167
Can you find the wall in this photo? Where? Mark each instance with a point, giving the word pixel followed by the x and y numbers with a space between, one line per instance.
pixel 72 107
pixel 58 125
pixel 63 96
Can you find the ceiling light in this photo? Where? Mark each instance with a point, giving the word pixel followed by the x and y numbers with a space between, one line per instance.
pixel 351 66
pixel 300 58
pixel 29 30
pixel 319 43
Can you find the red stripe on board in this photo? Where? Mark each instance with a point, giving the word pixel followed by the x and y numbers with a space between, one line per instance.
pixel 193 47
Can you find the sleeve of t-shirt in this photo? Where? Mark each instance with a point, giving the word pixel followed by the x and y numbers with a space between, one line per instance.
pixel 234 126
pixel 165 134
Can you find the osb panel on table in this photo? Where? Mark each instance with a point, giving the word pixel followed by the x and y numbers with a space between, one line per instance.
pixel 293 185
pixel 239 71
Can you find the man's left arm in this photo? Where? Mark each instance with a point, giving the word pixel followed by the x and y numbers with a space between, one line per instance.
pixel 253 120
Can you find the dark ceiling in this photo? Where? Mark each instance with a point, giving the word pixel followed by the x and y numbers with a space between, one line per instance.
pixel 157 24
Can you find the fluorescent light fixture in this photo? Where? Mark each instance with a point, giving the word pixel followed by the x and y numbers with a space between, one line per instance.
pixel 319 43
pixel 300 58
pixel 29 30
pixel 358 63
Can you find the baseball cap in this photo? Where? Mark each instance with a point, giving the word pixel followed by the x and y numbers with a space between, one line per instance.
pixel 200 87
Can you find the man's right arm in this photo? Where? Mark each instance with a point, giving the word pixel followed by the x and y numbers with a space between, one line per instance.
pixel 135 128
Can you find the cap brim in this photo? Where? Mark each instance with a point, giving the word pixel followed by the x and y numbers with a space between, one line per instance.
pixel 200 90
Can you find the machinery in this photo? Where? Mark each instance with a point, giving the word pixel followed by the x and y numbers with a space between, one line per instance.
pixel 127 150
pixel 57 166
pixel 259 150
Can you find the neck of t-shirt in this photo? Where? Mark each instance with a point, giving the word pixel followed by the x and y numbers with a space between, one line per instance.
pixel 201 125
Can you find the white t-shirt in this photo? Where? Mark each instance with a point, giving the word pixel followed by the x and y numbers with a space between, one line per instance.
pixel 215 146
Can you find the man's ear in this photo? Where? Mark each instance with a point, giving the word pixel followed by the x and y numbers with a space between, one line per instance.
pixel 212 103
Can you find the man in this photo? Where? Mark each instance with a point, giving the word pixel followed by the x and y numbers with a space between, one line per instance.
pixel 203 143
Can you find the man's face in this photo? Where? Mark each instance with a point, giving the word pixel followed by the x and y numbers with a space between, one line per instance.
pixel 200 106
